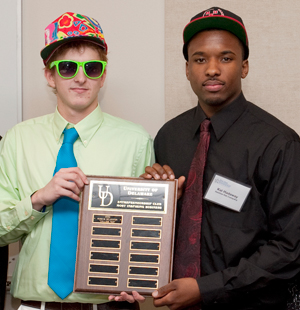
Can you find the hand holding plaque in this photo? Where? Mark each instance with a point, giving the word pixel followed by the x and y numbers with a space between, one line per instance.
pixel 126 235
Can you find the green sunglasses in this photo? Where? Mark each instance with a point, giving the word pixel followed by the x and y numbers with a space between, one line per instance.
pixel 67 69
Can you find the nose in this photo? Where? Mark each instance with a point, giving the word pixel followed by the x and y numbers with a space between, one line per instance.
pixel 80 76
pixel 213 68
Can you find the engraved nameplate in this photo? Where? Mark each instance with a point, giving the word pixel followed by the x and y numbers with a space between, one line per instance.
pixel 138 245
pixel 143 271
pixel 144 258
pixel 157 221
pixel 104 268
pixel 135 283
pixel 145 233
pixel 115 219
pixel 103 281
pixel 105 256
pixel 104 231
pixel 113 244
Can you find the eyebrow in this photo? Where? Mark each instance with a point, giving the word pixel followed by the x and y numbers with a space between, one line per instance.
pixel 227 52
pixel 199 53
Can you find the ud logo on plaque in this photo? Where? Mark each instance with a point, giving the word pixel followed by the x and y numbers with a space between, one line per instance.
pixel 104 196
pixel 128 196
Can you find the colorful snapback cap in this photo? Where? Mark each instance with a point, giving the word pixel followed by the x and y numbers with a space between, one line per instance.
pixel 70 27
pixel 215 18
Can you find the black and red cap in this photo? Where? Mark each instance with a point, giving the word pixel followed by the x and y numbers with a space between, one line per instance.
pixel 215 18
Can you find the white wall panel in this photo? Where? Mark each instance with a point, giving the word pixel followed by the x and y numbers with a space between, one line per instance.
pixel 10 64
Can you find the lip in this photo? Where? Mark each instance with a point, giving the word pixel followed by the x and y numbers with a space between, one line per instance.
pixel 79 90
pixel 213 85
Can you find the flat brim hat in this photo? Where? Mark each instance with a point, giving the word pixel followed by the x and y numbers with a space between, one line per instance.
pixel 71 27
pixel 215 18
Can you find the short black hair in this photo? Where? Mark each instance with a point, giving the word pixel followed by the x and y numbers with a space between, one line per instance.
pixel 244 48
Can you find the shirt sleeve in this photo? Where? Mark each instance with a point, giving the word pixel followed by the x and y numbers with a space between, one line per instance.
pixel 144 157
pixel 278 258
pixel 17 218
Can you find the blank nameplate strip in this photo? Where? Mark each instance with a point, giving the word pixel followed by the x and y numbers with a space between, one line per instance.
pixel 105 256
pixel 107 231
pixel 148 271
pixel 103 281
pixel 147 220
pixel 148 258
pixel 113 244
pixel 107 219
pixel 153 246
pixel 142 283
pixel 145 233
pixel 104 268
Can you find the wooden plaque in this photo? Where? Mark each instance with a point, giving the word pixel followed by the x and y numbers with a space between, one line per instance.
pixel 126 235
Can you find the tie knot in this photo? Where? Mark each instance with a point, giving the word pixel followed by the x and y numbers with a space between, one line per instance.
pixel 70 135
pixel 205 125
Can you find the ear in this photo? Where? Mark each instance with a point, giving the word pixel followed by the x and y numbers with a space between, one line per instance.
pixel 245 68
pixel 49 77
pixel 187 70
pixel 103 77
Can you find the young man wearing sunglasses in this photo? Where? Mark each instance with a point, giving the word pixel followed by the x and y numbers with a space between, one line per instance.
pixel 75 58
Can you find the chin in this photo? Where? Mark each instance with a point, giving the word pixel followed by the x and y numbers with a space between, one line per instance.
pixel 214 101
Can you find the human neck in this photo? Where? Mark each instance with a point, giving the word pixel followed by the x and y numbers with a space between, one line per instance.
pixel 75 116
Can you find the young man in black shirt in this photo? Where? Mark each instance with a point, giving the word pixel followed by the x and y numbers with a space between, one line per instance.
pixel 249 244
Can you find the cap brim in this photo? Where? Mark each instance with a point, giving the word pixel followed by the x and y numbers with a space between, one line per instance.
pixel 48 51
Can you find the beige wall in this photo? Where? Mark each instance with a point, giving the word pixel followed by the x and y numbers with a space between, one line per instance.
pixel 273 82
pixel 134 87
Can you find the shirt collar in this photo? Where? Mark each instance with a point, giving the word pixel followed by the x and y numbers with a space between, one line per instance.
pixel 223 119
pixel 86 128
pixel 227 116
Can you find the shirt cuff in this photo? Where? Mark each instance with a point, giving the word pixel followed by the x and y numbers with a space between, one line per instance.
pixel 212 288
pixel 26 215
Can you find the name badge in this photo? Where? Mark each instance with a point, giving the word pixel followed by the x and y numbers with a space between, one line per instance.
pixel 227 193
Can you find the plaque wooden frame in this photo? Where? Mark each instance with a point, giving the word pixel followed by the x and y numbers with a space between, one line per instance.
pixel 127 243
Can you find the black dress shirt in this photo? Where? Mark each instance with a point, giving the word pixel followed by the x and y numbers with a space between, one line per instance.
pixel 247 257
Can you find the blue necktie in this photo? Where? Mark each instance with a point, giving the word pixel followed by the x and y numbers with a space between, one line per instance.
pixel 64 227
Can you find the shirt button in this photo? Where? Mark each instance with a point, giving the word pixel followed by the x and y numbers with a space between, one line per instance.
pixel 26 213
pixel 32 217
pixel 8 227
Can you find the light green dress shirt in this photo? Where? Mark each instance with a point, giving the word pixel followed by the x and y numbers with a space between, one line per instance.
pixel 106 146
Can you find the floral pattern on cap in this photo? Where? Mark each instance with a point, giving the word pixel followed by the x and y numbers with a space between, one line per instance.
pixel 71 26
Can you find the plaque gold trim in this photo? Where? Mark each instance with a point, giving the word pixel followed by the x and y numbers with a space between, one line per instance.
pixel 130 273
pixel 156 233
pixel 105 247
pixel 118 254
pixel 151 287
pixel 116 229
pixel 145 242
pixel 108 217
pixel 104 285
pixel 147 217
pixel 97 272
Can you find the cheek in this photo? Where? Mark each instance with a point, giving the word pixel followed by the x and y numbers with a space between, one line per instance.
pixel 234 75
pixel 196 82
